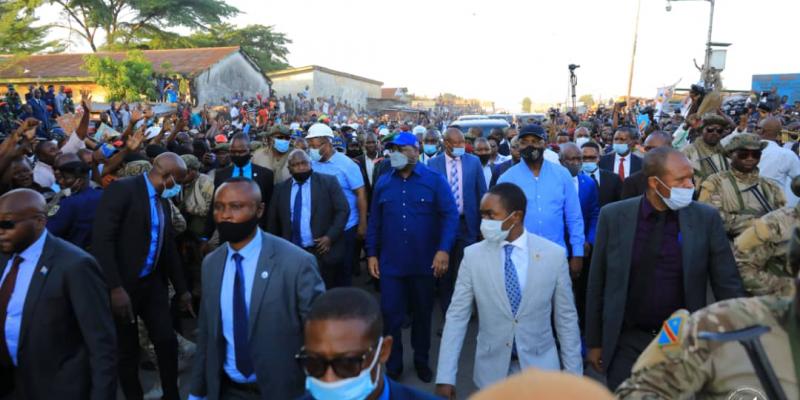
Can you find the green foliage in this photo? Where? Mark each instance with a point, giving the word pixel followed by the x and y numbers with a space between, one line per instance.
pixel 17 31
pixel 526 105
pixel 128 79
pixel 262 43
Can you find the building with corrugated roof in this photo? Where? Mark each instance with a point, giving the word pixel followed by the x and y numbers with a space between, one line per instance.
pixel 324 82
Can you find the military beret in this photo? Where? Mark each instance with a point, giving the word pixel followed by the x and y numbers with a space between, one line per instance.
pixel 280 129
pixel 191 161
pixel 715 119
pixel 747 141
pixel 222 147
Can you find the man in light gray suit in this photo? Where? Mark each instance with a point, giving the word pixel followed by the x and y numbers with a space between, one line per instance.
pixel 518 280
pixel 257 290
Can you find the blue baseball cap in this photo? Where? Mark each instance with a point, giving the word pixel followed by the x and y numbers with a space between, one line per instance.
pixel 532 130
pixel 405 139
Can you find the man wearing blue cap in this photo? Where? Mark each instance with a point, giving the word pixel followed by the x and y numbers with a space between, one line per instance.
pixel 412 227
pixel 552 199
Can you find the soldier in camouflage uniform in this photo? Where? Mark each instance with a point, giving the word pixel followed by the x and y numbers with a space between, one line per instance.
pixel 680 365
pixel 760 250
pixel 705 153
pixel 69 104
pixel 13 100
pixel 739 194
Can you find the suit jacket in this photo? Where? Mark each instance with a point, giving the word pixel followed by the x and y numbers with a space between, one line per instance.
pixel 121 236
pixel 362 165
pixel 548 292
pixel 706 256
pixel 262 176
pixel 473 186
pixel 396 392
pixel 607 163
pixel 498 170
pixel 634 185
pixel 590 205
pixel 286 282
pixel 329 212
pixel 67 346
pixel 610 187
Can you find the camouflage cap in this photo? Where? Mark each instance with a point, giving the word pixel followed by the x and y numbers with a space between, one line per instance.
pixel 191 161
pixel 715 119
pixel 222 147
pixel 135 168
pixel 280 129
pixel 747 141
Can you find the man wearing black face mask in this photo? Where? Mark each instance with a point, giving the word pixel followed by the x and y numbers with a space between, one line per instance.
pixel 73 217
pixel 319 232
pixel 243 167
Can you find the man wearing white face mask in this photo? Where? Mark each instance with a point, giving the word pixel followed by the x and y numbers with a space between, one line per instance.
pixel 345 353
pixel 622 162
pixel 518 280
pixel 653 254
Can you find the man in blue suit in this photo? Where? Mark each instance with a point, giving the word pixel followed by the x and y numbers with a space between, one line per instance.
pixel 464 174
pixel 572 159
pixel 39 111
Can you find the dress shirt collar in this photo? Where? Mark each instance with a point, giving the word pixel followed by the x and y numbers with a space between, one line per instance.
pixel 34 251
pixel 251 250
pixel 151 190
pixel 450 159
pixel 520 243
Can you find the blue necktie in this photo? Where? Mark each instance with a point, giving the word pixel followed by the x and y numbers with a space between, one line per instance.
pixel 240 343
pixel 297 213
pixel 513 290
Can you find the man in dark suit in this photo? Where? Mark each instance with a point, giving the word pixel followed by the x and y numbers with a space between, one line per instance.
pixel 310 210
pixel 607 182
pixel 622 161
pixel 499 169
pixel 636 184
pixel 258 290
pixel 241 165
pixel 368 162
pixel 653 255
pixel 57 338
pixel 464 174
pixel 343 323
pixel 133 241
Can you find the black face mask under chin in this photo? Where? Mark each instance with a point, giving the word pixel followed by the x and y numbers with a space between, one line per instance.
pixel 235 232
pixel 531 154
pixel 301 177
pixel 240 161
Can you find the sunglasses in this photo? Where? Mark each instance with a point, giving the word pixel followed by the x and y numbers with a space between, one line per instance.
pixel 344 367
pixel 9 224
pixel 745 154
pixel 715 130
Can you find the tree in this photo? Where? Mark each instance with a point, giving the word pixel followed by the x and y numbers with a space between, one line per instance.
pixel 128 79
pixel 17 31
pixel 526 105
pixel 124 22
pixel 587 100
pixel 262 43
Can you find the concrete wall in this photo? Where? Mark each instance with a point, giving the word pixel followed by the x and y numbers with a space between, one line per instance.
pixel 233 74
pixel 323 84
pixel 293 84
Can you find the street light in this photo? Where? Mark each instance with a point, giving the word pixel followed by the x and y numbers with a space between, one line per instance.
pixel 706 71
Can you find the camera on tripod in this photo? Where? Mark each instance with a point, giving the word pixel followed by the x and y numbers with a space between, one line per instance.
pixel 573 67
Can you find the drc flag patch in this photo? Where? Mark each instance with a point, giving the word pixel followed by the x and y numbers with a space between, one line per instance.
pixel 671 329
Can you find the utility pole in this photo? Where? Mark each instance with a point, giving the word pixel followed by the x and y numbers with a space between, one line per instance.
pixel 633 55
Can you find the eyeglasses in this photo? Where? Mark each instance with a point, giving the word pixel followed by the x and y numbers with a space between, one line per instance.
pixel 344 367
pixel 10 224
pixel 745 154
pixel 715 130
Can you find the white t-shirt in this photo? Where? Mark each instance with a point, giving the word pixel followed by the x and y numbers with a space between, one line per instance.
pixel 73 144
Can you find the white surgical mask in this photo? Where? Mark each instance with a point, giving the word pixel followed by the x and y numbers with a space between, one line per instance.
pixel 355 388
pixel 398 160
pixel 492 230
pixel 314 154
pixel 581 141
pixel 621 148
pixel 678 197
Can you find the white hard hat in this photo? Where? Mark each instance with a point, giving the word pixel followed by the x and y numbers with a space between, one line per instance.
pixel 419 129
pixel 319 130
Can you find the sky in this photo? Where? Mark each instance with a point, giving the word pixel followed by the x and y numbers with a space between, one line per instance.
pixel 504 50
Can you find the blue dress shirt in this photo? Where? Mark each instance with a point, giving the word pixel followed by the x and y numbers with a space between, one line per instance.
pixel 250 252
pixel 155 229
pixel 410 220
pixel 246 171
pixel 350 179
pixel 305 218
pixel 16 303
pixel 552 201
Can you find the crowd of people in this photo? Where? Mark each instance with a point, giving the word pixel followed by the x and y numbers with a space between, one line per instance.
pixel 584 244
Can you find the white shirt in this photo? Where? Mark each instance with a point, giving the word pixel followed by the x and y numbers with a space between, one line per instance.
pixel 575 181
pixel 43 175
pixel 519 256
pixel 369 165
pixel 501 159
pixel 552 156
pixel 626 164
pixel 780 165
pixel 74 143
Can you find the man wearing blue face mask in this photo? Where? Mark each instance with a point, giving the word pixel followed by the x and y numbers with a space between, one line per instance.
pixel 622 162
pixel 430 147
pixel 653 255
pixel 345 352
pixel 273 155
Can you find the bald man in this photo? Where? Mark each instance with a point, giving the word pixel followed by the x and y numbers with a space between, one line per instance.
pixel 777 163
pixel 133 240
pixel 57 334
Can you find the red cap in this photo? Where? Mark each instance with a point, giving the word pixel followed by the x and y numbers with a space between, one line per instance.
pixel 220 139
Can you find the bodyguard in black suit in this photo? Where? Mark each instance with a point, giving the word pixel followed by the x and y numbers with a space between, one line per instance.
pixel 320 232
pixel 622 161
pixel 133 240
pixel 242 166
pixel 653 255
pixel 636 183
pixel 57 340
pixel 371 156
pixel 608 183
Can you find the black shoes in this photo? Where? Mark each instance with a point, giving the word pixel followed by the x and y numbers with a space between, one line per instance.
pixel 394 375
pixel 424 373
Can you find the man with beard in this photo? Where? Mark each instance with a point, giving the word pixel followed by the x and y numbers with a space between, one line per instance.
pixel 706 153
pixel 273 155
pixel 553 210
pixel 258 290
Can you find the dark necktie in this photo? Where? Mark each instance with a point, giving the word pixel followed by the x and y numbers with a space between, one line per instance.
pixel 240 321
pixel 594 178
pixel 297 213
pixel 5 296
